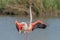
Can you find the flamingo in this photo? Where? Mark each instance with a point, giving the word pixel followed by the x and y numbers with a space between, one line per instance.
pixel 23 26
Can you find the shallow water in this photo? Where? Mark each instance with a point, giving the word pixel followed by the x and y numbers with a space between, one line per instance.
pixel 8 30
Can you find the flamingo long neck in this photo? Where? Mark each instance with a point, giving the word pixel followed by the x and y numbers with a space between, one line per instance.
pixel 30 17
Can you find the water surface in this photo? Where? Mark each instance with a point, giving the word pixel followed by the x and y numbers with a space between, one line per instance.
pixel 8 30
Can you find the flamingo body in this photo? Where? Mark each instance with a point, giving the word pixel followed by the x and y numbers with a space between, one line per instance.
pixel 25 27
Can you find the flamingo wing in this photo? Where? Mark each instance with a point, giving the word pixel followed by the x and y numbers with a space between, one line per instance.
pixel 18 25
pixel 38 24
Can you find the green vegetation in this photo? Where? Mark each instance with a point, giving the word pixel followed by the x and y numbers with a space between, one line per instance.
pixel 39 6
pixel 3 3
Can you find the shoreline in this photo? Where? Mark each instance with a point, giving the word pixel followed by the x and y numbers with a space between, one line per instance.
pixel 28 16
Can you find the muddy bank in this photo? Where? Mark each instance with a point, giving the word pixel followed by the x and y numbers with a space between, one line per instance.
pixel 24 12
